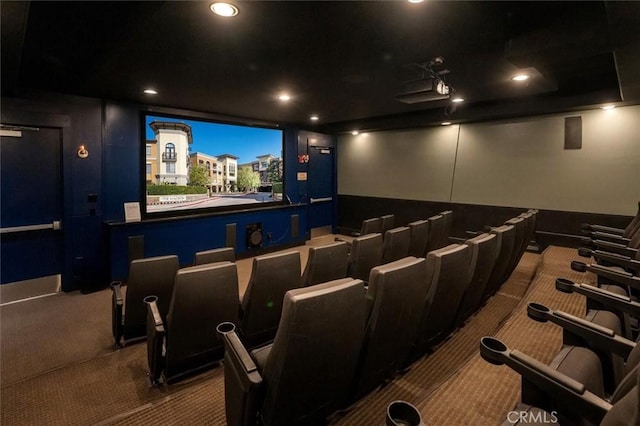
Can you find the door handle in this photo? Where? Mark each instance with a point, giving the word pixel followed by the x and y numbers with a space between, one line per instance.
pixel 56 225
pixel 321 200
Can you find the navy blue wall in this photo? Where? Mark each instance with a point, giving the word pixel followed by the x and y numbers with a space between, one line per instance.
pixel 81 120
pixel 183 236
pixel 95 235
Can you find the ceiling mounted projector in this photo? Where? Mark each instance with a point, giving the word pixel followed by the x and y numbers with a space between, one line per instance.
pixel 430 86
pixel 431 89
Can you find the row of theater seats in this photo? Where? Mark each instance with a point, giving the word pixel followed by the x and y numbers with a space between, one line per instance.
pixel 595 378
pixel 182 305
pixel 150 276
pixel 425 235
pixel 617 265
pixel 173 308
pixel 156 276
pixel 380 242
pixel 176 299
pixel 616 252
pixel 339 340
pixel 617 248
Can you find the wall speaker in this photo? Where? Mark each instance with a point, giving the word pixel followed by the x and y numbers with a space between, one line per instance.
pixel 136 247
pixel 254 235
pixel 295 225
pixel 230 235
pixel 573 132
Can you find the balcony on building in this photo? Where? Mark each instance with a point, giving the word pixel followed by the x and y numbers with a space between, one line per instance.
pixel 169 156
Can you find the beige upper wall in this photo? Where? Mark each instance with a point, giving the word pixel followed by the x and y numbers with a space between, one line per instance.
pixel 414 165
pixel 518 163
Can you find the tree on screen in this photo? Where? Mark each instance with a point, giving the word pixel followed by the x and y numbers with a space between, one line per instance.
pixel 274 170
pixel 198 176
pixel 248 180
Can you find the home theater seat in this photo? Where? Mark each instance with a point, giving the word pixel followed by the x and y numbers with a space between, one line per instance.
pixel 152 276
pixel 271 277
pixel 326 263
pixel 203 297
pixel 297 379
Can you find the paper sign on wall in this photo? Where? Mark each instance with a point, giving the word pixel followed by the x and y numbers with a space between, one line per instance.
pixel 132 212
pixel 302 175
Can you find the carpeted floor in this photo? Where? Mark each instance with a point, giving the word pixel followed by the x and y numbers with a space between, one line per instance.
pixel 481 393
pixel 429 373
pixel 41 335
pixel 58 365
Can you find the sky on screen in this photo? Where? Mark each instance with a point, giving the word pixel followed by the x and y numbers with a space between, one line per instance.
pixel 217 138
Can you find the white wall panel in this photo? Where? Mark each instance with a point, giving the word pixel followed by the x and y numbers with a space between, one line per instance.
pixel 414 165
pixel 524 163
pixel 519 163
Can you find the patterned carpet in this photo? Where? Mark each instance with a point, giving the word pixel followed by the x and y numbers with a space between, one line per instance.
pixel 481 393
pixel 66 372
pixel 430 373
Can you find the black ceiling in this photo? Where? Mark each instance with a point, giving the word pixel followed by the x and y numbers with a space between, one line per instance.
pixel 343 60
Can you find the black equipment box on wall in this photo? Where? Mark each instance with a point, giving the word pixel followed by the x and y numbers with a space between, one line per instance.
pixel 254 235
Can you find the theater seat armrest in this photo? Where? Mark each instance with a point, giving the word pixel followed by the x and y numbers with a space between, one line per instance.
pixel 607 298
pixel 614 238
pixel 597 335
pixel 117 305
pixel 155 341
pixel 600 228
pixel 622 249
pixel 242 383
pixel 624 278
pixel 559 386
pixel 455 240
pixel 617 259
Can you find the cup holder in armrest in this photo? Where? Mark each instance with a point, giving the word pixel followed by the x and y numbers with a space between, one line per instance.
pixel 585 252
pixel 150 299
pixel 564 285
pixel 493 350
pixel 225 328
pixel 538 312
pixel 578 266
pixel 403 413
pixel 587 241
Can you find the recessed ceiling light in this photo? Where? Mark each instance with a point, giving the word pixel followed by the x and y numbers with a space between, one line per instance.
pixel 520 77
pixel 150 92
pixel 355 133
pixel 314 117
pixel 445 123
pixel 224 9
pixel 284 97
pixel 457 100
pixel 416 1
pixel 608 107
